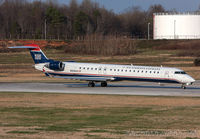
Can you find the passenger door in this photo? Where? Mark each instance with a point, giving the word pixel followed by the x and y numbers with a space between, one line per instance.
pixel 167 74
pixel 104 70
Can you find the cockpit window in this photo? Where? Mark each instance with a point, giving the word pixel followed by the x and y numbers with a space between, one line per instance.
pixel 180 72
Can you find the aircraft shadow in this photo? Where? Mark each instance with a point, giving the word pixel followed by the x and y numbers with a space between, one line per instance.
pixel 78 85
pixel 145 86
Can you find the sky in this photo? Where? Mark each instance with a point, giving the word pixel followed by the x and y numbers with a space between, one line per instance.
pixel 119 6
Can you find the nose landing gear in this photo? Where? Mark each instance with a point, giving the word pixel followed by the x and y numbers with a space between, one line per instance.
pixel 183 86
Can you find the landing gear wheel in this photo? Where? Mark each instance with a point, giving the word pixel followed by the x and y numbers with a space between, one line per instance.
pixel 104 84
pixel 91 84
pixel 183 86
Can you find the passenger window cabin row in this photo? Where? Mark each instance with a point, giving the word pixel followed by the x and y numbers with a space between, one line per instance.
pixel 121 70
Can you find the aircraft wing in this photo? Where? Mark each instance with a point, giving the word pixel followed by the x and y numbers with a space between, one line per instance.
pixel 98 79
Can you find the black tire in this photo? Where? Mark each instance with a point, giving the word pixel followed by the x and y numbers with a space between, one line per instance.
pixel 91 84
pixel 183 87
pixel 104 84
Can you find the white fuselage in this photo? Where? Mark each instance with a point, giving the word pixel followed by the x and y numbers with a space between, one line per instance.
pixel 121 72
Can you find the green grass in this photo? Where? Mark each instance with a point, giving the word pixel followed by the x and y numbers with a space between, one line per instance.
pixel 14 58
pixel 99 131
pixel 119 119
pixel 170 138
pixel 22 132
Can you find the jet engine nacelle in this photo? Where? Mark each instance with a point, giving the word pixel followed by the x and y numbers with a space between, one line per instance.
pixel 55 65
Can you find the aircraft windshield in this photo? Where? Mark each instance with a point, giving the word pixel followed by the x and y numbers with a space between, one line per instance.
pixel 180 72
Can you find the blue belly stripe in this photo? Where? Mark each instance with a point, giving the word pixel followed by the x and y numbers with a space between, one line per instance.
pixel 121 78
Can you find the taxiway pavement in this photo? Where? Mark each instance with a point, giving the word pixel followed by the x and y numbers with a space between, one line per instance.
pixel 119 88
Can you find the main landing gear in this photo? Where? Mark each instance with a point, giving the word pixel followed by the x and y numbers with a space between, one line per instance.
pixel 104 84
pixel 92 84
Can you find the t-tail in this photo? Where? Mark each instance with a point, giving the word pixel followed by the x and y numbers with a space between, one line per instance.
pixel 36 53
pixel 40 59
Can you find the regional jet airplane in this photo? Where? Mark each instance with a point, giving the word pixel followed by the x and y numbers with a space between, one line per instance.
pixel 103 73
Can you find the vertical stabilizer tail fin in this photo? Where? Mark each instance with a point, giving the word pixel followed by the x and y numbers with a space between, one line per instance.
pixel 36 53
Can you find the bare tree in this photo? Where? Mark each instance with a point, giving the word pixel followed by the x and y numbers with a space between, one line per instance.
pixel 157 8
pixel 23 19
pixel 134 22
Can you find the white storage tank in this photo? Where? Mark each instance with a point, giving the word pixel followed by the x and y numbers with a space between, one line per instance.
pixel 176 26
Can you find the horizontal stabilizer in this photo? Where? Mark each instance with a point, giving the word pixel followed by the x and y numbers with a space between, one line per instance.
pixel 26 47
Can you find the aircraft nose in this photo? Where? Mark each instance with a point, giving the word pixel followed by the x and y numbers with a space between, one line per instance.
pixel 192 80
pixel 189 80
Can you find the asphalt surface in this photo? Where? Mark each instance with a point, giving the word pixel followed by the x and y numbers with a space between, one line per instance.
pixel 120 88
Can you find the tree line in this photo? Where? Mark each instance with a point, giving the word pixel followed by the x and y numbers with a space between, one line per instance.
pixel 22 19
